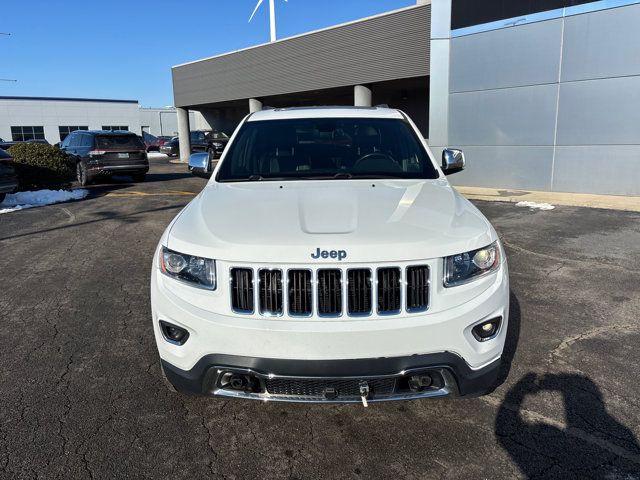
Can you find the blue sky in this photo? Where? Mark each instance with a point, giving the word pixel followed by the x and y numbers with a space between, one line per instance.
pixel 125 49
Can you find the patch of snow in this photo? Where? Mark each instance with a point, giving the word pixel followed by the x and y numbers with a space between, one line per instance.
pixel 39 198
pixel 535 205
pixel 151 155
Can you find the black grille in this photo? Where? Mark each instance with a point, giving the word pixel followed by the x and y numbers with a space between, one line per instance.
pixel 417 288
pixel 299 292
pixel 359 292
pixel 270 292
pixel 335 388
pixel 389 290
pixel 329 292
pixel 242 290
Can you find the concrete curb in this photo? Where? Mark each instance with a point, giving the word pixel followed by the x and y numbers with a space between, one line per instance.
pixel 612 202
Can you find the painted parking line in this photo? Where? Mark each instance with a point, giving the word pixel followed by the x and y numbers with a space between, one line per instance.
pixel 145 194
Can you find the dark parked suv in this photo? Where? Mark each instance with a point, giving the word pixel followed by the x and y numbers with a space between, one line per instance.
pixel 99 153
pixel 8 179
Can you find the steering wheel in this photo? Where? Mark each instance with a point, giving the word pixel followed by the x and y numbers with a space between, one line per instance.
pixel 376 155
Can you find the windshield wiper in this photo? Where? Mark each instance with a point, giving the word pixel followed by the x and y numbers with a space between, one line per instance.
pixel 337 176
pixel 255 178
pixel 343 175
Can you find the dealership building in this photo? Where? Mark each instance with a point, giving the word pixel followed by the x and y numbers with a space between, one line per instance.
pixel 53 118
pixel 540 95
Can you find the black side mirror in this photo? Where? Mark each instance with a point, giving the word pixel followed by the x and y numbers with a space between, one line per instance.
pixel 452 161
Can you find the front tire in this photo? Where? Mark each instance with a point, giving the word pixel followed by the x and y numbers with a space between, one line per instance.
pixel 2 197
pixel 82 174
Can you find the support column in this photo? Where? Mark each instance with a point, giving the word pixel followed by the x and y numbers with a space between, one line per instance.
pixel 184 134
pixel 255 105
pixel 361 96
pixel 439 76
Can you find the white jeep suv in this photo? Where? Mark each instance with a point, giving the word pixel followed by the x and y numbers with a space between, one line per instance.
pixel 328 259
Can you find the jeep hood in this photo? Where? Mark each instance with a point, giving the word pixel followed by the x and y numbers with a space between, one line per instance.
pixel 372 220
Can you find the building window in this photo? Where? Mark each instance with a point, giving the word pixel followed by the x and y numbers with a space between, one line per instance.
pixel 466 13
pixel 115 127
pixel 66 130
pixel 21 134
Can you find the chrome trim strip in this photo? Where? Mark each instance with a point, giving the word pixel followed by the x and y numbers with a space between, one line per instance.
pixel 542 16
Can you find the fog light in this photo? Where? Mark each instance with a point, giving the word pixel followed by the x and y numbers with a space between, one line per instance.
pixel 417 383
pixel 487 330
pixel 174 334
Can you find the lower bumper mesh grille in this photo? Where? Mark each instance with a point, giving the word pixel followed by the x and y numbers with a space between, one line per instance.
pixel 320 388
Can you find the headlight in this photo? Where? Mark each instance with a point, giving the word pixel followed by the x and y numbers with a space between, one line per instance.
pixel 468 266
pixel 200 272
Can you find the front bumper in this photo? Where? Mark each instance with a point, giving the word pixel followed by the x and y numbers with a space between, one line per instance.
pixel 386 379
pixel 364 349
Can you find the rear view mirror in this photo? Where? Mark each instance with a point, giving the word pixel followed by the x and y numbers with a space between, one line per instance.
pixel 199 165
pixel 452 161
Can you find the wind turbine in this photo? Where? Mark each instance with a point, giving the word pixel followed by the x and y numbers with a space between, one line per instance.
pixel 272 16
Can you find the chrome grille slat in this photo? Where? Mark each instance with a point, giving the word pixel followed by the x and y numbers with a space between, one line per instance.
pixel 359 291
pixel 330 292
pixel 417 288
pixel 300 295
pixel 270 286
pixel 242 295
pixel 389 290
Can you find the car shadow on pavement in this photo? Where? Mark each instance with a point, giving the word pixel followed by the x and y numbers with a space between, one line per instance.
pixel 152 177
pixel 512 339
pixel 590 443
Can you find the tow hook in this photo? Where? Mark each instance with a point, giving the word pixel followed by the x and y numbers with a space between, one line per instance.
pixel 364 393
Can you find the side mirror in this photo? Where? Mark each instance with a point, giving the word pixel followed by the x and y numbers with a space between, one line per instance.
pixel 199 164
pixel 452 161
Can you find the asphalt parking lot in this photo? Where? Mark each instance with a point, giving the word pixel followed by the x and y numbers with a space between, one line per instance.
pixel 82 395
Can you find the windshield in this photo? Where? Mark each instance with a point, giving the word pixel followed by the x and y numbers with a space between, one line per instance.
pixel 119 142
pixel 326 148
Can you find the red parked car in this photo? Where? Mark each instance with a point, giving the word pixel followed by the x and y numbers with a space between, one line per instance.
pixel 153 143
